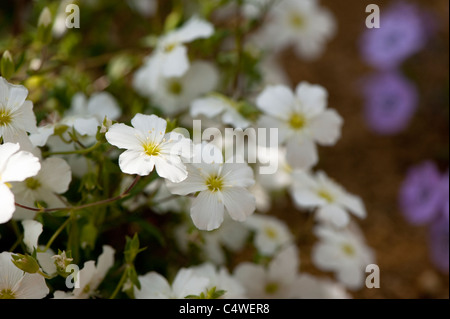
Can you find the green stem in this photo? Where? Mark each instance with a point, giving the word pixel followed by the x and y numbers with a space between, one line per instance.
pixel 120 284
pixel 75 208
pixel 80 152
pixel 56 234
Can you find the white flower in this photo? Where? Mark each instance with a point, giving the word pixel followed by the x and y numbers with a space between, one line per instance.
pixel 53 179
pixel 16 284
pixel 186 283
pixel 85 116
pixel 331 200
pixel 16 114
pixel 343 252
pixel 271 233
pixel 311 287
pixel 221 280
pixel 91 276
pixel 174 94
pixel 45 18
pixel 15 166
pixel 276 281
pixel 302 119
pixel 171 52
pixel 304 24
pixel 215 106
pixel 32 230
pixel 220 185
pixel 148 147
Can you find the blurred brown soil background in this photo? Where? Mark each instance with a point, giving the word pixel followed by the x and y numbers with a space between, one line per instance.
pixel 373 166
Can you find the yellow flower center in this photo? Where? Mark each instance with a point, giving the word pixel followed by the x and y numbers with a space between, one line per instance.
pixel 175 87
pixel 349 250
pixel 326 195
pixel 297 121
pixel 32 183
pixel 271 288
pixel 215 183
pixel 270 232
pixel 7 294
pixel 151 149
pixel 297 20
pixel 5 117
pixel 170 47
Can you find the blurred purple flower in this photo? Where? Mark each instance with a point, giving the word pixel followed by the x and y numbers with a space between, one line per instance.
pixel 391 101
pixel 402 33
pixel 421 197
pixel 446 197
pixel 439 244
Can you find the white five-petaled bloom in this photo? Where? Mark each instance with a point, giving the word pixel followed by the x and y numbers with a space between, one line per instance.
pixel 304 24
pixel 343 252
pixel 271 234
pixel 174 94
pixel 171 51
pixel 15 166
pixel 43 189
pixel 277 280
pixel 16 114
pixel 332 201
pixel 215 106
pixel 16 284
pixel 148 146
pixel 187 282
pixel 302 120
pixel 90 277
pixel 220 185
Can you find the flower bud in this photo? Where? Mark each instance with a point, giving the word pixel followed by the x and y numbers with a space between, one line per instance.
pixel 7 65
pixel 26 263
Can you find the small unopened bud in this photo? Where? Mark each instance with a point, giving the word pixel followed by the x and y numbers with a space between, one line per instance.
pixel 7 65
pixel 26 263
pixel 107 123
pixel 45 19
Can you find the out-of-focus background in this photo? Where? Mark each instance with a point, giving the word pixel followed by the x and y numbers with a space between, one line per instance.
pixel 375 166
pixel 368 164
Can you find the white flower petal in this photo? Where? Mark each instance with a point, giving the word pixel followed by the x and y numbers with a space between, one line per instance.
pixel 238 175
pixel 268 122
pixel 326 128
pixel 125 137
pixel 20 166
pixel 86 126
pixel 234 118
pixel 354 204
pixel 104 104
pixel 194 29
pixel 188 283
pixel 313 98
pixel 207 211
pixel 277 101
pixel 8 206
pixel 136 162
pixel 56 175
pixel 32 286
pixel 208 106
pixel 333 214
pixel 171 168
pixel 240 203
pixel 193 184
pixel 32 230
pixel 176 63
pixel 152 126
pixel 301 154
pixel 153 286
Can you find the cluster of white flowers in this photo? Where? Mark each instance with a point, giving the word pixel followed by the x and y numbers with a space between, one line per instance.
pixel 226 200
